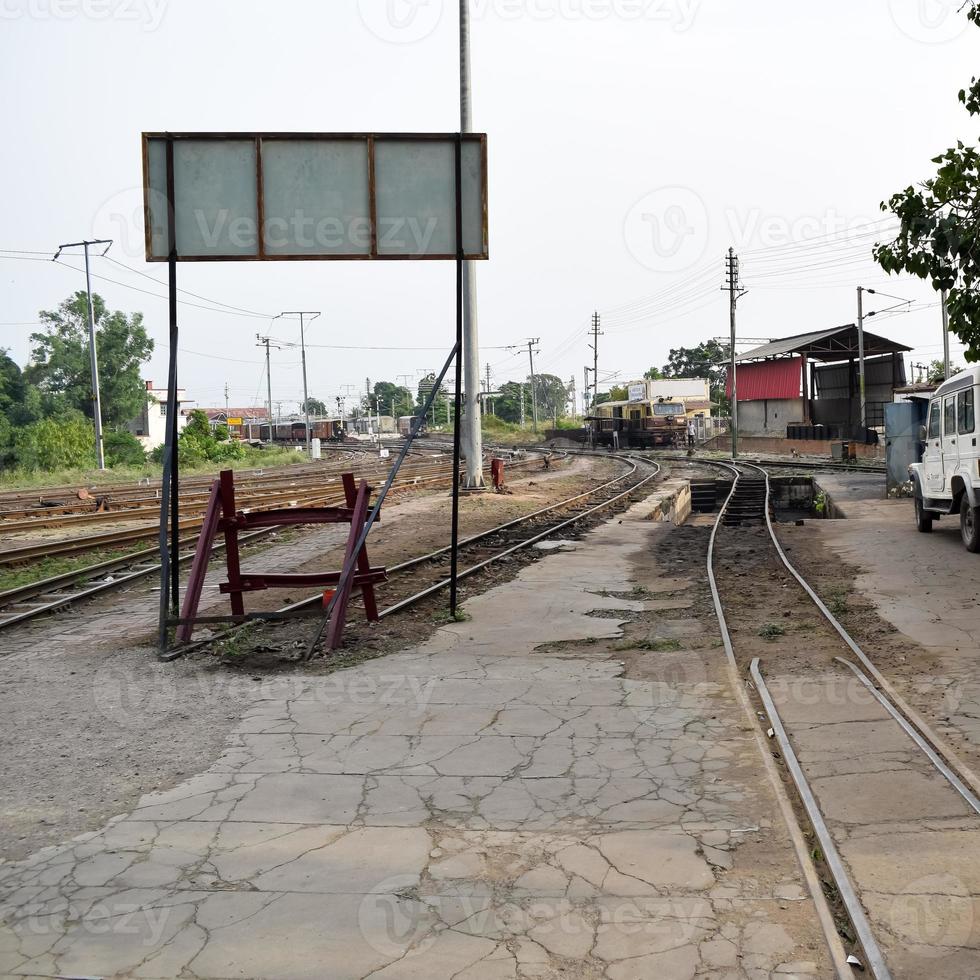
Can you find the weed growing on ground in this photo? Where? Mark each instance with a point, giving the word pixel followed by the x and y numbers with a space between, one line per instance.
pixel 837 601
pixel 20 575
pixel 445 616
pixel 771 630
pixel 651 646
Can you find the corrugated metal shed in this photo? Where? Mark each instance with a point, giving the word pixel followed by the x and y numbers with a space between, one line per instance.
pixel 838 344
pixel 780 378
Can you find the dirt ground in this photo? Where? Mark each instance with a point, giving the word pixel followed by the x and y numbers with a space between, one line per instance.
pixel 84 734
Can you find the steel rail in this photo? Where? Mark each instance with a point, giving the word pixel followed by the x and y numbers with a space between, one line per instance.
pixel 845 887
pixel 308 496
pixel 472 570
pixel 69 579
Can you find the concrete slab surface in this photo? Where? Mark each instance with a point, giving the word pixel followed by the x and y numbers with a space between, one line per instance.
pixel 485 806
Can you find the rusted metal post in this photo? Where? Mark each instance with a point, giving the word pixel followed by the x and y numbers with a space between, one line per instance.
pixel 227 480
pixel 338 615
pixel 199 568
pixel 363 564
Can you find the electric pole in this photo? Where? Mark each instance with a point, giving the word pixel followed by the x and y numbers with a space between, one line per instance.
pixel 522 405
pixel 946 367
pixel 585 392
pixel 266 342
pixel 302 314
pixel 735 293
pixel 226 403
pixel 596 334
pixel 534 394
pixel 860 325
pixel 471 334
pixel 93 353
pixel 489 389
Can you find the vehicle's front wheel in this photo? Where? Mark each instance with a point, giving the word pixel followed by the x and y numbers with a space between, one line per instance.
pixel 923 520
pixel 970 525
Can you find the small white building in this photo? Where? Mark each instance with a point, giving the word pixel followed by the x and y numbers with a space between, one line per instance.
pixel 151 427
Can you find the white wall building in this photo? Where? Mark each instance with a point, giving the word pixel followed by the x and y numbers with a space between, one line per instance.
pixel 151 427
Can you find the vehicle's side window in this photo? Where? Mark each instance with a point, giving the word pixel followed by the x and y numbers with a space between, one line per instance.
pixel 966 412
pixel 934 432
pixel 949 413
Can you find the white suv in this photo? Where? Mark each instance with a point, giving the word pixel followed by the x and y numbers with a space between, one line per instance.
pixel 947 481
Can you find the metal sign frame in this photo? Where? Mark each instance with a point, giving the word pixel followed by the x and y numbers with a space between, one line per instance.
pixel 261 255
pixel 169 543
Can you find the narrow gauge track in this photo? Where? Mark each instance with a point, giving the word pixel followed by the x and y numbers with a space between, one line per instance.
pixel 749 503
pixel 58 592
pixel 23 502
pixel 482 550
pixel 271 487
pixel 321 492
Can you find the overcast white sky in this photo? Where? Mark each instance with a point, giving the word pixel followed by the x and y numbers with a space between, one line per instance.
pixel 631 142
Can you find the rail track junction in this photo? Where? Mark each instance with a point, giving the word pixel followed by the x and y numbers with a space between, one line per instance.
pixel 859 775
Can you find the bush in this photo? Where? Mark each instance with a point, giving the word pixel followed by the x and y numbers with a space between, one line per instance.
pixel 123 449
pixel 50 444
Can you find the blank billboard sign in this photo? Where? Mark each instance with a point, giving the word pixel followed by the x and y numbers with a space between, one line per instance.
pixel 275 196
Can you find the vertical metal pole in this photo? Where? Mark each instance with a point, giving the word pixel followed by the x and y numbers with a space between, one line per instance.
pixel 167 483
pixel 173 409
pixel 732 285
pixel 946 366
pixel 864 414
pixel 534 394
pixel 94 359
pixel 306 394
pixel 268 378
pixel 457 432
pixel 471 333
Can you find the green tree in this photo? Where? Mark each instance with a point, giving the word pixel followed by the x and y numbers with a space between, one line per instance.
pixel 439 413
pixel 60 358
pixel 617 393
pixel 391 399
pixel 708 360
pixel 552 396
pixel 55 443
pixel 654 374
pixel 936 372
pixel 507 405
pixel 122 448
pixel 314 406
pixel 939 228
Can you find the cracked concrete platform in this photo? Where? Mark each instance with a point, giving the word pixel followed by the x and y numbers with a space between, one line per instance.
pixel 473 808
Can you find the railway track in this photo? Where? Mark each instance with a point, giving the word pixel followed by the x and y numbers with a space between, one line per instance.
pixel 910 781
pixel 480 551
pixel 59 592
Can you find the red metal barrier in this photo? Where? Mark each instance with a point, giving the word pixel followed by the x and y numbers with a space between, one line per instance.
pixel 221 516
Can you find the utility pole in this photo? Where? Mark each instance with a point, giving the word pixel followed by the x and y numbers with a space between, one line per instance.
pixel 266 342
pixel 226 403
pixel 585 392
pixel 302 314
pixel 93 353
pixel 864 415
pixel 471 334
pixel 946 367
pixel 596 334
pixel 735 293
pixel 489 389
pixel 534 394
pixel 522 404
